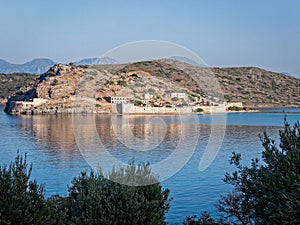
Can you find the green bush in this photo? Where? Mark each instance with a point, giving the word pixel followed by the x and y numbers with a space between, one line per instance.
pixel 122 83
pixel 235 108
pixel 109 82
pixel 54 83
pixel 204 219
pixel 93 199
pixel 268 192
pixel 138 103
pixel 21 200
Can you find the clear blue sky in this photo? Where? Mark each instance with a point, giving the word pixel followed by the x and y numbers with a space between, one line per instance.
pixel 264 33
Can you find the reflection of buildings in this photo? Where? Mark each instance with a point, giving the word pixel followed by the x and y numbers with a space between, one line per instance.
pixel 136 131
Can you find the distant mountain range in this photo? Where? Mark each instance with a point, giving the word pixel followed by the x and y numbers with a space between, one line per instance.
pixel 187 60
pixel 35 66
pixel 40 65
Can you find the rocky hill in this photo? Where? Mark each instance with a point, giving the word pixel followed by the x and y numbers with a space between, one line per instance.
pixel 256 87
pixel 154 83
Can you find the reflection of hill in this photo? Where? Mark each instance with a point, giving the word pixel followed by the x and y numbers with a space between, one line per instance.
pixel 144 138
pixel 55 133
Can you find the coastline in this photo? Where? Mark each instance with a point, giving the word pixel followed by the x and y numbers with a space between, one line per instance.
pixel 260 110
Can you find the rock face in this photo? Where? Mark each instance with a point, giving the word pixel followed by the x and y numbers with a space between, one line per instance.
pixel 51 92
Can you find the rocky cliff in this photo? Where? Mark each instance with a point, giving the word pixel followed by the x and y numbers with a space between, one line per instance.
pixel 55 88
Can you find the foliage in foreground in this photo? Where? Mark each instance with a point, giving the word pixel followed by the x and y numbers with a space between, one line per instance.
pixel 92 198
pixel 21 200
pixel 268 192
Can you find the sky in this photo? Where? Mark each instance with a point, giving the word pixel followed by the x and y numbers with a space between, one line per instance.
pixel 262 33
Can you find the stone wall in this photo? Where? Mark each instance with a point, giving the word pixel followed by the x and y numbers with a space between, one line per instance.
pixel 131 109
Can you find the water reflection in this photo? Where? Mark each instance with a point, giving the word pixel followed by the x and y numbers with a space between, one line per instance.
pixel 54 132
pixel 166 142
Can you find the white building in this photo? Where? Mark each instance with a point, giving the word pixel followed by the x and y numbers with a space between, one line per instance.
pixel 117 100
pixel 178 95
pixel 147 96
pixel 34 103
pixel 234 104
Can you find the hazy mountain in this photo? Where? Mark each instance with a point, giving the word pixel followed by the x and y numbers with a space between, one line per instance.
pixel 4 64
pixel 42 65
pixel 35 66
pixel 97 61
pixel 187 60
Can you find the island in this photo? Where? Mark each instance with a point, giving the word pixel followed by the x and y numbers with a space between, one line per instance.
pixel 153 87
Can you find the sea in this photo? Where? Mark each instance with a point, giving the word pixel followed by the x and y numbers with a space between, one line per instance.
pixel 189 153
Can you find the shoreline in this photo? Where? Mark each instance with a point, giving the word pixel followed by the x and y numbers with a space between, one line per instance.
pixel 161 114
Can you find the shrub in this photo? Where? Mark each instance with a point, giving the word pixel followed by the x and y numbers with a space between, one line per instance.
pixel 138 103
pixel 21 200
pixel 122 83
pixel 235 108
pixel 204 219
pixel 93 199
pixel 54 83
pixel 268 192
pixel 109 82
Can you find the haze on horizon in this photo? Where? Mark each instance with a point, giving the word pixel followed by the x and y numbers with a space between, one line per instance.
pixel 223 33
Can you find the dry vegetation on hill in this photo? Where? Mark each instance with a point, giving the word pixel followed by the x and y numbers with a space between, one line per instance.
pixel 11 83
pixel 253 86
pixel 257 87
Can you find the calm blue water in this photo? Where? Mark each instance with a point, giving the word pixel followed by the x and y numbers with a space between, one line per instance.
pixel 50 144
